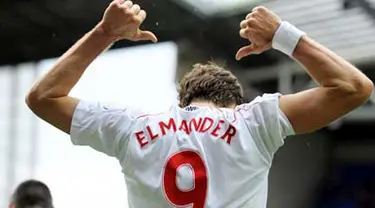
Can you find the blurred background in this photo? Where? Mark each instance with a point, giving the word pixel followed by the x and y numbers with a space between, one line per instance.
pixel 332 168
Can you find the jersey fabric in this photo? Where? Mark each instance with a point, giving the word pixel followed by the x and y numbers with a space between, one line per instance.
pixel 189 157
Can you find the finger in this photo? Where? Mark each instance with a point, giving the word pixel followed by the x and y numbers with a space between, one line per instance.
pixel 142 15
pixel 247 23
pixel 255 9
pixel 243 33
pixel 247 33
pixel 249 15
pixel 119 1
pixel 146 35
pixel 260 9
pixel 243 24
pixel 115 3
pixel 135 9
pixel 245 51
pixel 127 4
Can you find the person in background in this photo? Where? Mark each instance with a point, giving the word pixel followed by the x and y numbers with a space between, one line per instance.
pixel 31 194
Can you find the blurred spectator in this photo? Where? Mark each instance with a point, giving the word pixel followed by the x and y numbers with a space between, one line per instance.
pixel 31 194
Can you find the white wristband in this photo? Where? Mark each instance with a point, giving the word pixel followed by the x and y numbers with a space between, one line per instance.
pixel 286 38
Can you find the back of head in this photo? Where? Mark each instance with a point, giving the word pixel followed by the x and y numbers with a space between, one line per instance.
pixel 32 194
pixel 210 82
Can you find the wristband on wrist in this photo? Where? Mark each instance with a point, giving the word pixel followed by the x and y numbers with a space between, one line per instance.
pixel 286 38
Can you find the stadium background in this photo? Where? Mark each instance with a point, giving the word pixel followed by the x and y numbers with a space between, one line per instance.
pixel 333 168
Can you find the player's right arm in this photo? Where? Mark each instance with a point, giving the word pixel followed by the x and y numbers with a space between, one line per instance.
pixel 49 97
pixel 88 123
pixel 342 87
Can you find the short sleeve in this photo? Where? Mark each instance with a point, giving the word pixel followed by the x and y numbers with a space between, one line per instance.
pixel 267 123
pixel 101 127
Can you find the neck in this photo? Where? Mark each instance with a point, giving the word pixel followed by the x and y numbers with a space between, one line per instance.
pixel 209 104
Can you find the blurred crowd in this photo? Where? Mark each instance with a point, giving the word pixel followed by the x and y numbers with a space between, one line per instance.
pixel 349 187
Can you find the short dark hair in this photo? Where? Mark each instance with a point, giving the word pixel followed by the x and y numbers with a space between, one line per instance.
pixel 30 194
pixel 210 82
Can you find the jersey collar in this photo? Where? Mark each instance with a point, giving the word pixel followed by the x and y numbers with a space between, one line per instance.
pixel 191 108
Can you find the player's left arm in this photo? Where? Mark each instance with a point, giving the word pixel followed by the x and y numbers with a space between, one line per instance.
pixel 342 86
pixel 49 98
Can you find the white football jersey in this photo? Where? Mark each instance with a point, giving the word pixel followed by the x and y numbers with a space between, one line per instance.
pixel 193 157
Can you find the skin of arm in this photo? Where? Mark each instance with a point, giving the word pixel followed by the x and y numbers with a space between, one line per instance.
pixel 48 98
pixel 342 87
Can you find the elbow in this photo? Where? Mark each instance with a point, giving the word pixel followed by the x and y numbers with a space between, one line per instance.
pixel 361 90
pixel 31 100
pixel 34 100
pixel 366 88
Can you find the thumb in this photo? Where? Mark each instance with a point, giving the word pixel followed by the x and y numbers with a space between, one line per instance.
pixel 245 51
pixel 146 35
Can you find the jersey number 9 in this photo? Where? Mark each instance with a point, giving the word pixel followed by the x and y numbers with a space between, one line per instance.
pixel 195 196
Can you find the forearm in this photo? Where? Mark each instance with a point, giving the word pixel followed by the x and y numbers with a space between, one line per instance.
pixel 59 81
pixel 329 69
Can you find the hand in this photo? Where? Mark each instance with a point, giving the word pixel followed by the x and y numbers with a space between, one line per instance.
pixel 122 20
pixel 259 27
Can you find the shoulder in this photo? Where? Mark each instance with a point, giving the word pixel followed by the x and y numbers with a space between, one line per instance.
pixel 266 98
pixel 153 113
pixel 93 107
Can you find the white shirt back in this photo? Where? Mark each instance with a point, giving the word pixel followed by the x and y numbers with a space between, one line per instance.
pixel 193 157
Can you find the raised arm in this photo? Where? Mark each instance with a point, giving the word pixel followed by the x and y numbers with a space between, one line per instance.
pixel 49 98
pixel 342 87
